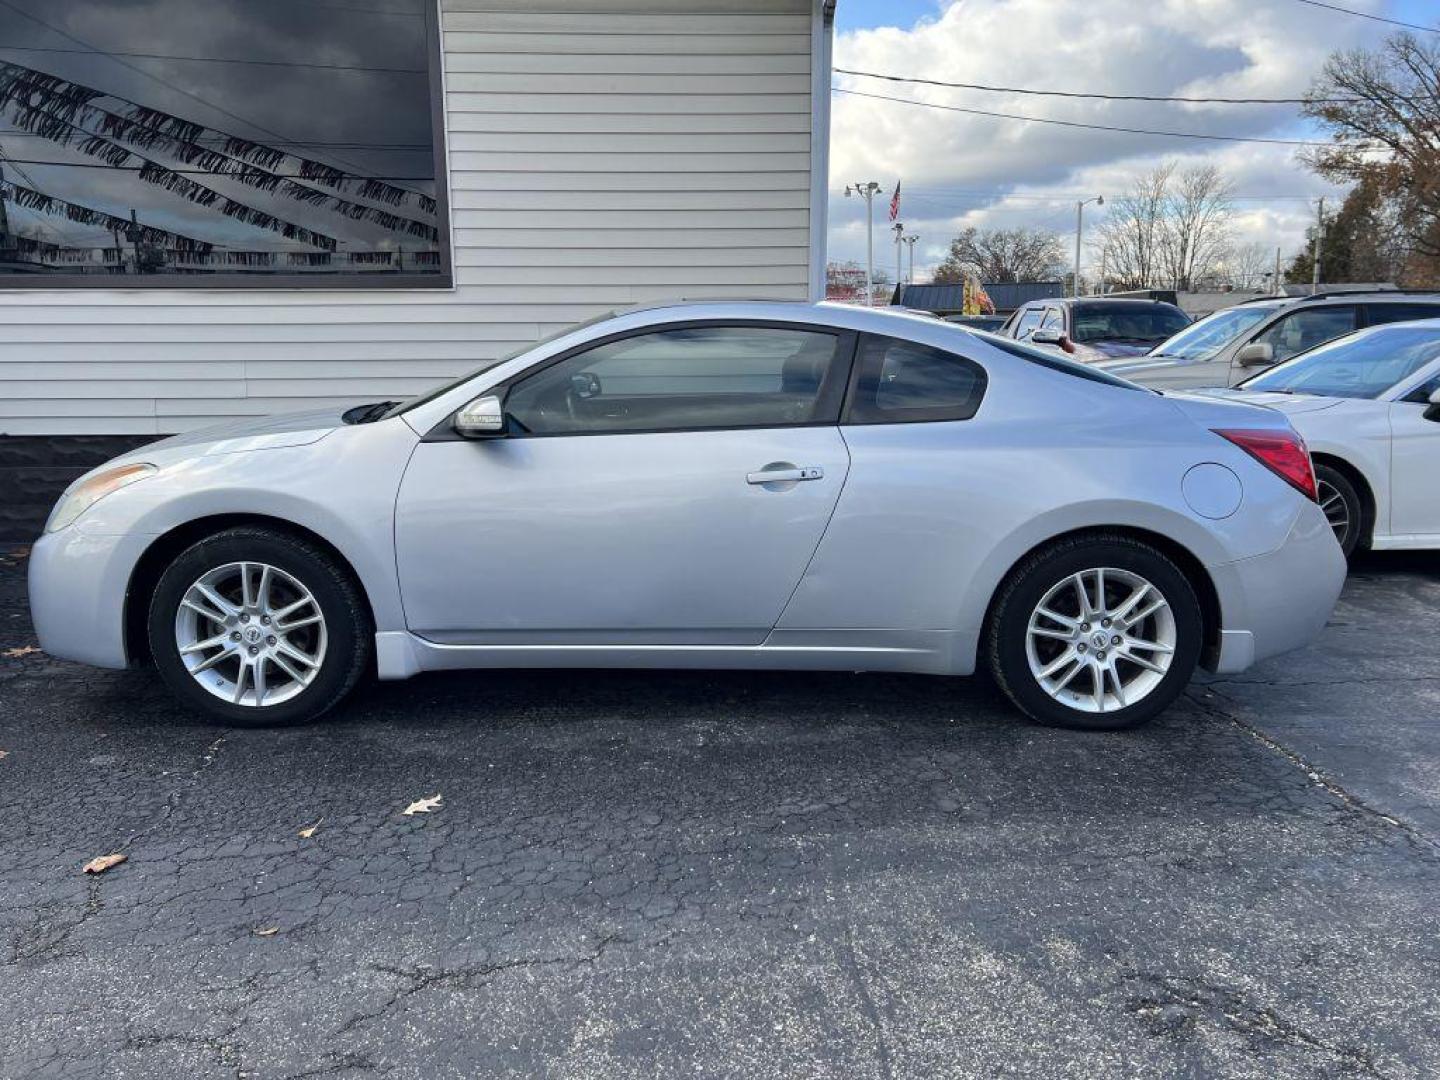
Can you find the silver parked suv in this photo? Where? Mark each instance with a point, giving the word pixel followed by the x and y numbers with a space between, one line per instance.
pixel 1232 344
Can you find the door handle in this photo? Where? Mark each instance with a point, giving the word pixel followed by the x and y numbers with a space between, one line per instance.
pixel 783 476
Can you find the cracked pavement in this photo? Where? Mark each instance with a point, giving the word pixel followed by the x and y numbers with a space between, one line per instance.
pixel 732 874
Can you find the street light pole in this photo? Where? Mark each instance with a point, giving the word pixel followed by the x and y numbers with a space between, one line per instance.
pixel 867 191
pixel 1099 200
pixel 910 240
pixel 1319 236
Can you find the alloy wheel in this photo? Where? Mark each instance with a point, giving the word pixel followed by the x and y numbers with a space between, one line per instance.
pixel 1101 640
pixel 250 634
pixel 1337 511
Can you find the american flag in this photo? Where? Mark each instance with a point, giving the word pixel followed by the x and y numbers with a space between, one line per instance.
pixel 895 202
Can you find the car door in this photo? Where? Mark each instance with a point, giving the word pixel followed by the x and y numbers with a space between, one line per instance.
pixel 1414 463
pixel 668 485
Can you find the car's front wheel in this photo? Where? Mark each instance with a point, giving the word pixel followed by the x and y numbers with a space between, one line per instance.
pixel 1100 632
pixel 255 626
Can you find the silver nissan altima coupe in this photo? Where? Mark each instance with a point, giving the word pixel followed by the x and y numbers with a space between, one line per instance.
pixel 718 485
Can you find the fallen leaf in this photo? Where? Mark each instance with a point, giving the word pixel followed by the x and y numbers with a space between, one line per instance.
pixel 269 931
pixel 21 650
pixel 4 753
pixel 102 863
pixel 422 806
pixel 309 830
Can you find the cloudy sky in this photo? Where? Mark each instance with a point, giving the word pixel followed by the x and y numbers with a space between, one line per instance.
pixel 959 169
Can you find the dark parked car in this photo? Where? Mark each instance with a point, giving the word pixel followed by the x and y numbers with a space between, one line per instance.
pixel 1092 328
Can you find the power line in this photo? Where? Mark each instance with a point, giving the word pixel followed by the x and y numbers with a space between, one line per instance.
pixel 218 60
pixel 1075 123
pixel 1367 15
pixel 220 141
pixel 1001 193
pixel 1096 96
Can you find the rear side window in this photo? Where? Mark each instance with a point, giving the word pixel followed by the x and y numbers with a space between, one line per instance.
pixel 1388 313
pixel 901 382
pixel 1058 363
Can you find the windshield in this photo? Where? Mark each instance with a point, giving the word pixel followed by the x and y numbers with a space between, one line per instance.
pixel 1126 322
pixel 1203 339
pixel 1362 365
pixel 445 388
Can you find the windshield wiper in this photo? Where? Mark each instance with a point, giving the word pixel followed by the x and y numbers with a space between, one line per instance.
pixel 366 414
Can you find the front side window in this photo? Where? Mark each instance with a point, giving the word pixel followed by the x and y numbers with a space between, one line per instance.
pixel 1304 329
pixel 687 379
pixel 1028 323
pixel 1364 365
pixel 901 382
pixel 1054 318
pixel 220 143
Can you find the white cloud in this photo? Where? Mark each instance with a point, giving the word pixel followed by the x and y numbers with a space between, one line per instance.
pixel 955 166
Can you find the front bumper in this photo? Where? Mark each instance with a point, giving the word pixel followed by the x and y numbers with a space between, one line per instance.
pixel 78 583
pixel 1279 601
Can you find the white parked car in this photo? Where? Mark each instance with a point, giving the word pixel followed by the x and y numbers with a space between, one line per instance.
pixel 1368 406
pixel 727 485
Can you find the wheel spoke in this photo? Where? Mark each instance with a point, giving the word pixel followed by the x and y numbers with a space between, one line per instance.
pixel 258 674
pixel 1140 661
pixel 262 591
pixel 247 599
pixel 309 620
pixel 1147 611
pixel 1149 646
pixel 1039 631
pixel 1140 592
pixel 208 643
pixel 207 664
pixel 215 600
pixel 290 609
pixel 1058 664
pixel 284 665
pixel 284 648
pixel 1119 689
pixel 239 691
pixel 1056 617
pixel 1097 679
pixel 1069 677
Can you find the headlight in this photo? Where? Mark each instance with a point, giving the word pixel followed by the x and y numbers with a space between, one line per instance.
pixel 91 490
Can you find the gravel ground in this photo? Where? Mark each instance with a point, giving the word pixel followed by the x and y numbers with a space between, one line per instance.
pixel 757 875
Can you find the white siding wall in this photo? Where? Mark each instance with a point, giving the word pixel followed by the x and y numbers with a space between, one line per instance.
pixel 602 152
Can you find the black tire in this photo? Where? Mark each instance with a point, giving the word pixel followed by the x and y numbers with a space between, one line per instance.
pixel 1333 483
pixel 349 637
pixel 1028 584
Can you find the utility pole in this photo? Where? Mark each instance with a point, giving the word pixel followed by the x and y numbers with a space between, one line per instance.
pixel 867 191
pixel 4 214
pixel 910 277
pixel 1315 257
pixel 1104 258
pixel 1099 200
pixel 1278 287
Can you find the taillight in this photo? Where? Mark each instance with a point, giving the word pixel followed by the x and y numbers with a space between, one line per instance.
pixel 1280 450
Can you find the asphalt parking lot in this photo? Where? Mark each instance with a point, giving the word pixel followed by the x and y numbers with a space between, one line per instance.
pixel 759 875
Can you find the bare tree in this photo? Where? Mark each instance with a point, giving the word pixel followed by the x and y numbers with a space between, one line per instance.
pixel 1132 233
pixel 1383 112
pixel 1002 255
pixel 1195 228
pixel 1247 266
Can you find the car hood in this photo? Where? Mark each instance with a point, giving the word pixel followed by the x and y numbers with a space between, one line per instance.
pixel 1111 350
pixel 250 433
pixel 1289 404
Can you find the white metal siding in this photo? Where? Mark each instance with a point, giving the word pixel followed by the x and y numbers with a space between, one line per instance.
pixel 602 152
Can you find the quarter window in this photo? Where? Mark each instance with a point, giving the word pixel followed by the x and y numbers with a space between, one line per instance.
pixel 687 379
pixel 900 382
pixel 1388 313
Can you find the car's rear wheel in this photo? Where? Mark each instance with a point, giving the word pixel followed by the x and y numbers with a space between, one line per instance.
pixel 1343 507
pixel 1100 632
pixel 256 627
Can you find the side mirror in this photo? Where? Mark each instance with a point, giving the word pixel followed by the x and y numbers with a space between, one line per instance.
pixel 483 418
pixel 1047 335
pixel 1432 411
pixel 1256 354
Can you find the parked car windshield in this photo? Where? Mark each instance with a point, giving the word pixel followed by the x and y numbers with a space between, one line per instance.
pixel 1203 339
pixel 1117 321
pixel 1362 365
